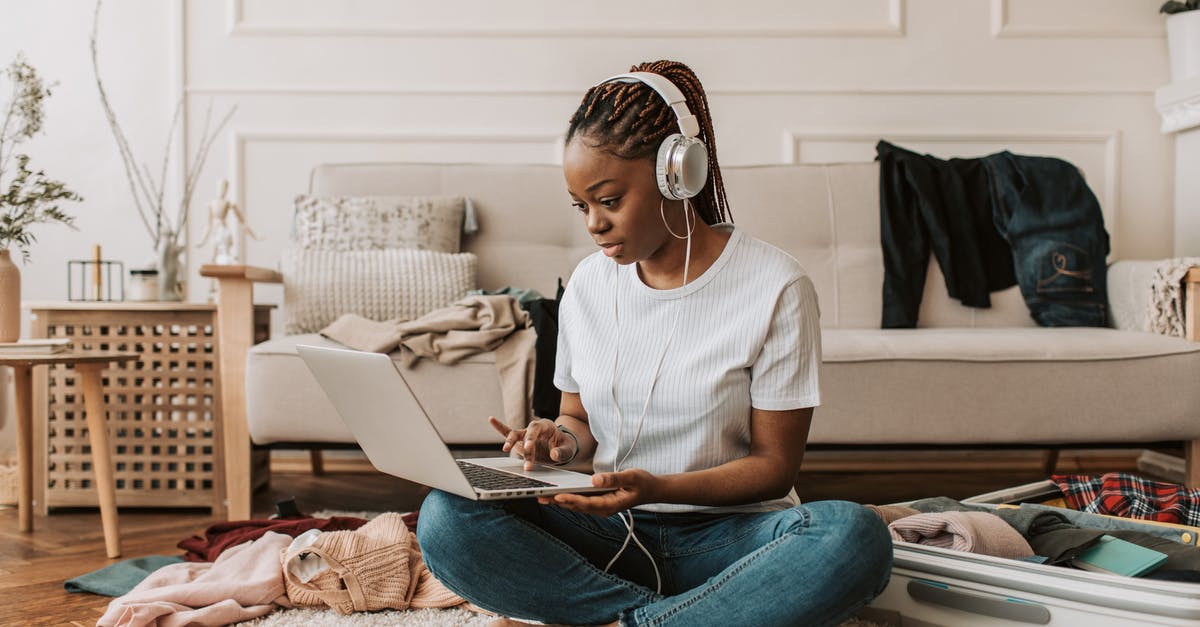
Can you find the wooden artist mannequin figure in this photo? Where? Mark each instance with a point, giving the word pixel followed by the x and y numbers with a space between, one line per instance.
pixel 223 234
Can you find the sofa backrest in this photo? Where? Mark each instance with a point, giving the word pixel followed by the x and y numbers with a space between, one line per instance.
pixel 827 216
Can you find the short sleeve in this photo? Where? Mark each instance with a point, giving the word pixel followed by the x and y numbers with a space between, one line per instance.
pixel 785 374
pixel 563 379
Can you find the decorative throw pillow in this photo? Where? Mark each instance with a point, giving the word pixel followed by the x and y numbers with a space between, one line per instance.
pixel 379 222
pixel 320 285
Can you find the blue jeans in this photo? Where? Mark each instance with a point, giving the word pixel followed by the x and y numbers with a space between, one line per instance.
pixel 814 564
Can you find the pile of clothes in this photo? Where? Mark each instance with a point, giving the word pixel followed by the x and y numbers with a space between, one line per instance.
pixel 243 570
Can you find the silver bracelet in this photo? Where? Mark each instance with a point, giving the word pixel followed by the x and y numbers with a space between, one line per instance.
pixel 573 437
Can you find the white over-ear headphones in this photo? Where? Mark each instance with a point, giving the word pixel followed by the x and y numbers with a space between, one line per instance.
pixel 682 164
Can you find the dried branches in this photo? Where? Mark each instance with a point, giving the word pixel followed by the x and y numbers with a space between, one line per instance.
pixel 146 190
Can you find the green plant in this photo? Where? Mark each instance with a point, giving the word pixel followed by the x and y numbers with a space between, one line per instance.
pixel 27 197
pixel 1177 6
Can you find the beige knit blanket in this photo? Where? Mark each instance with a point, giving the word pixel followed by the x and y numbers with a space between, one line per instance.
pixel 472 325
pixel 1164 314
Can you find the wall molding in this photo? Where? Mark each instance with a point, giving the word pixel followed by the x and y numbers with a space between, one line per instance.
pixel 238 140
pixel 1180 115
pixel 1110 141
pixel 834 90
pixel 1002 28
pixel 237 26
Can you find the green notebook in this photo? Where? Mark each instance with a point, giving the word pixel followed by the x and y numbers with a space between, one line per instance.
pixel 1118 557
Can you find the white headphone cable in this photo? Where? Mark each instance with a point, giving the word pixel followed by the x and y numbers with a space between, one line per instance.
pixel 627 515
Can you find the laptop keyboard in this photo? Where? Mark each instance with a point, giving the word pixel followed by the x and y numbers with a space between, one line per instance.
pixel 486 478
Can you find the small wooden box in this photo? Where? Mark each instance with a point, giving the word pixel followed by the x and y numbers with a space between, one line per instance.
pixel 163 410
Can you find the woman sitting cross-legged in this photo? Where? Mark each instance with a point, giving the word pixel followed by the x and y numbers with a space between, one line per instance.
pixel 687 356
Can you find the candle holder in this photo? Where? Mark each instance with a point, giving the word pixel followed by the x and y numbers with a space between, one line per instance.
pixel 102 282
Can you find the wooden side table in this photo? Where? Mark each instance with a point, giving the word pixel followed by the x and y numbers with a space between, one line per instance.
pixel 164 411
pixel 89 364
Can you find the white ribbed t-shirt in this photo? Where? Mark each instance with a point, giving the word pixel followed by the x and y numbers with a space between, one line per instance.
pixel 747 334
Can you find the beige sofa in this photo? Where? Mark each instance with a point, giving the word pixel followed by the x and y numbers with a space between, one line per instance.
pixel 967 377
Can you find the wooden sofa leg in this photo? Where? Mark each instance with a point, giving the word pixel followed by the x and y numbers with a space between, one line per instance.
pixel 317 460
pixel 1192 470
pixel 1049 461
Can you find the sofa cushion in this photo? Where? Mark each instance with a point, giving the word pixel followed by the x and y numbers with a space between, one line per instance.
pixel 279 388
pixel 375 222
pixel 1014 386
pixel 320 285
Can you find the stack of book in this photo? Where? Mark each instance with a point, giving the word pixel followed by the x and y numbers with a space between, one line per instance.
pixel 36 345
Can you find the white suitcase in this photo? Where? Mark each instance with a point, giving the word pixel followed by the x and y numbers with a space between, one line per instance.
pixel 932 586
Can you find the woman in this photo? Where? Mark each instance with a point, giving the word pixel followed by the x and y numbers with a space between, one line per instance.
pixel 687 358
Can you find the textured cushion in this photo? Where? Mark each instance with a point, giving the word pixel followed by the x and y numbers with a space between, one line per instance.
pixel 320 285
pixel 376 222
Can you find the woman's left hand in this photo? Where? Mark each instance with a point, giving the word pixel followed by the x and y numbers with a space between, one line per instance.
pixel 633 487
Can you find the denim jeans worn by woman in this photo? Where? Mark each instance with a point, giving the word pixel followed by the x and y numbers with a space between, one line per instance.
pixel 814 564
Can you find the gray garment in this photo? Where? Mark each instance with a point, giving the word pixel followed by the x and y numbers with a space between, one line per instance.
pixel 1025 517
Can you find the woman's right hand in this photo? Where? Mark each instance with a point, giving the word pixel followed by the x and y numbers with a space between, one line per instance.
pixel 540 442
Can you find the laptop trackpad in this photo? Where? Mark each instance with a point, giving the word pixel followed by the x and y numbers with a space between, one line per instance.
pixel 549 474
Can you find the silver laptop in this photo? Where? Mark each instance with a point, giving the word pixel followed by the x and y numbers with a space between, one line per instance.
pixel 391 426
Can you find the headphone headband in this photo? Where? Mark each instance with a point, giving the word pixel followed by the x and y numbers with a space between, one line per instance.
pixel 681 167
pixel 688 125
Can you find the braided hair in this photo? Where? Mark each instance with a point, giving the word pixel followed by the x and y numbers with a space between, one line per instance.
pixel 630 120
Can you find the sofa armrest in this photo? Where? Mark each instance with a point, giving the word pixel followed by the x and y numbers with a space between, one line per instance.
pixel 235 336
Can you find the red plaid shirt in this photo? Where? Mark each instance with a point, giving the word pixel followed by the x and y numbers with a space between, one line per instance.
pixel 1122 494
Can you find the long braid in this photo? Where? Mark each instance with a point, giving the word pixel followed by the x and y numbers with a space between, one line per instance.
pixel 630 120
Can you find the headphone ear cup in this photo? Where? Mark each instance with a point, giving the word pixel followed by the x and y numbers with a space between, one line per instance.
pixel 681 167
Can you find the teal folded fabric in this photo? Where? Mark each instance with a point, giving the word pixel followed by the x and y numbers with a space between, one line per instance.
pixel 117 579
pixel 522 295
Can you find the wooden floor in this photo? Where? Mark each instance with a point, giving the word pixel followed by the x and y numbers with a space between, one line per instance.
pixel 33 566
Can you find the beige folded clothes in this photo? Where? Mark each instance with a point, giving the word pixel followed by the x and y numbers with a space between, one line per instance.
pixel 245 582
pixel 377 566
pixel 475 324
pixel 973 532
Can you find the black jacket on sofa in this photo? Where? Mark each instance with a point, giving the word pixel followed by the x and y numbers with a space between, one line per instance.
pixel 991 222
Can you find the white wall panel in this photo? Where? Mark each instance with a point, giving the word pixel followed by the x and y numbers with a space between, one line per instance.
pixel 945 44
pixel 1076 18
pixel 588 18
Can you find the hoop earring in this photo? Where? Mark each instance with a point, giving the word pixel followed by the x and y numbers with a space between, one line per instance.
pixel 689 218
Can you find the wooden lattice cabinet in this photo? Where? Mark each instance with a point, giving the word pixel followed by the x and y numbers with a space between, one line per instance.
pixel 163 410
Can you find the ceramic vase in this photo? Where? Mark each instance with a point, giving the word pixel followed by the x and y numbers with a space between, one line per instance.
pixel 168 270
pixel 1183 44
pixel 10 298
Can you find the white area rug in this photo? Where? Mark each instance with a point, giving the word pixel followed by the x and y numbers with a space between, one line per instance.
pixel 308 617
